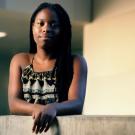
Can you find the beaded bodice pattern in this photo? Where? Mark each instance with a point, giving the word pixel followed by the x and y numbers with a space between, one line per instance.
pixel 39 87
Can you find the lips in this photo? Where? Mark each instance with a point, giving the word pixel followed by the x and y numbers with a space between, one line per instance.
pixel 46 36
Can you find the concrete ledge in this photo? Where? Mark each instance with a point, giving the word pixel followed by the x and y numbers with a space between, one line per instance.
pixel 71 125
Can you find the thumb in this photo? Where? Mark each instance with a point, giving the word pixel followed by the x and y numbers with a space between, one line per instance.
pixel 33 116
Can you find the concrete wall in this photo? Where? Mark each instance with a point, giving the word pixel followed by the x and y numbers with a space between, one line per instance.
pixel 71 125
pixel 109 47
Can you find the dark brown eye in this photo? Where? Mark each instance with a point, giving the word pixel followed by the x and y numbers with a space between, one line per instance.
pixel 41 24
pixel 54 24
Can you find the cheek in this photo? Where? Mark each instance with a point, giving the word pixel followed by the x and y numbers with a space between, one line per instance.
pixel 57 31
pixel 35 34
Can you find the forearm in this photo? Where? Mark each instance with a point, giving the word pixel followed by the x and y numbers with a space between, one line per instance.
pixel 69 107
pixel 21 107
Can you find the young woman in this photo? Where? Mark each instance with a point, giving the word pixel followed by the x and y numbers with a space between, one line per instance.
pixel 49 80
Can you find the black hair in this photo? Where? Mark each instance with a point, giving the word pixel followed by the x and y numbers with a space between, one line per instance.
pixel 64 60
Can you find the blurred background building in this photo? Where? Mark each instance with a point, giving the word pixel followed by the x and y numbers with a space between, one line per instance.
pixel 103 32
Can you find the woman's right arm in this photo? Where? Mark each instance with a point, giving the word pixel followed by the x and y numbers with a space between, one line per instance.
pixel 16 103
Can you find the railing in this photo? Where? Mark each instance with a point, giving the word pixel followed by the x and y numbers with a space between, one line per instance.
pixel 71 125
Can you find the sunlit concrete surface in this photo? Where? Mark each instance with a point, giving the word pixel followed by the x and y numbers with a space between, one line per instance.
pixel 71 125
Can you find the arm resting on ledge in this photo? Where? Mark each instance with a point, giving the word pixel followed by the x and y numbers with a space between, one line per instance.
pixel 44 114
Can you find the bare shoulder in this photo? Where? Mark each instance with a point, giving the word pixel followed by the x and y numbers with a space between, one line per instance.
pixel 80 62
pixel 21 59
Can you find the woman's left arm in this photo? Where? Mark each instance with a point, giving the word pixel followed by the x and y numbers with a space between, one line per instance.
pixel 76 94
pixel 73 105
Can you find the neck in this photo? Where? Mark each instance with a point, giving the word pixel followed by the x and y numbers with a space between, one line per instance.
pixel 42 55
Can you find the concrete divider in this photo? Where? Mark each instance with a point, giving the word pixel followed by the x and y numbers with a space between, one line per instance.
pixel 71 125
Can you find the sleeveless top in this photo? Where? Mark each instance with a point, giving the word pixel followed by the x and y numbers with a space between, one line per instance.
pixel 39 87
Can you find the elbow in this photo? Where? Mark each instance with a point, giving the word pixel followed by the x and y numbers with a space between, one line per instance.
pixel 11 103
pixel 78 111
pixel 79 107
pixel 11 108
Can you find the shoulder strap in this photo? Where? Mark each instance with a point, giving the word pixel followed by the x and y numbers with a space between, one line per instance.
pixel 32 60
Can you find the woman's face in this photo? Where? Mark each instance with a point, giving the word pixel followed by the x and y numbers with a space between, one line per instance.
pixel 46 27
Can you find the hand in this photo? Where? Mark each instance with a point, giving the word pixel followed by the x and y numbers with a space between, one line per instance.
pixel 43 116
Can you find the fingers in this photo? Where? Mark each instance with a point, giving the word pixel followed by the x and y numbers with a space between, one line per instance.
pixel 44 121
pixel 42 127
pixel 42 124
pixel 37 127
pixel 48 124
pixel 33 116
pixel 36 122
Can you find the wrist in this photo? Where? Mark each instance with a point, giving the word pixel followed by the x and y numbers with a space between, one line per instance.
pixel 55 106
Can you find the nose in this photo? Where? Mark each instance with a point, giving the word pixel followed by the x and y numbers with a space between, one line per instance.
pixel 46 27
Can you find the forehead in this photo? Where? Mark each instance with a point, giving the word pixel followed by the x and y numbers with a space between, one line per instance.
pixel 47 15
